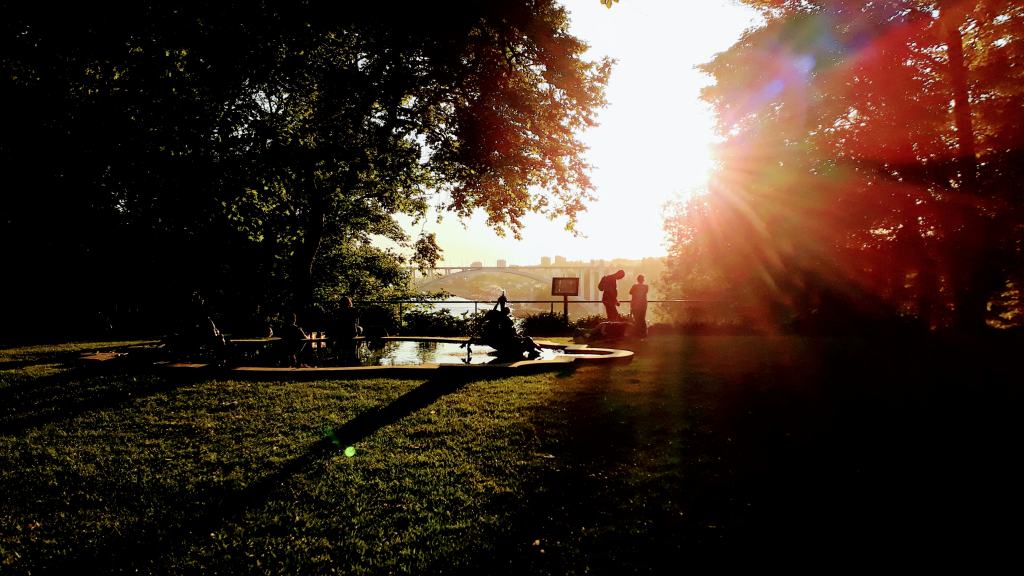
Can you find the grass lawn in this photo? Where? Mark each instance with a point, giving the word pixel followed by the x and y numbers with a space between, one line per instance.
pixel 775 450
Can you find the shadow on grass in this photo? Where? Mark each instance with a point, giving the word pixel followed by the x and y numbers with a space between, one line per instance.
pixel 33 356
pixel 785 452
pixel 28 403
pixel 28 359
pixel 147 545
pixel 56 358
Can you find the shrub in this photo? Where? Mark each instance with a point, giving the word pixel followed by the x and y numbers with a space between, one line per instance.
pixel 589 322
pixel 377 319
pixel 475 322
pixel 435 323
pixel 547 324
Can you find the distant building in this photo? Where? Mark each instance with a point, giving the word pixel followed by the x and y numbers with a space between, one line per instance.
pixel 502 264
pixel 477 265
pixel 559 260
pixel 545 260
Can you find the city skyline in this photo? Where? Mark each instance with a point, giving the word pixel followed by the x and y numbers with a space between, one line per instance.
pixel 553 261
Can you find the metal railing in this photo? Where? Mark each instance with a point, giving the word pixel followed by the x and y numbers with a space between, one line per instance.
pixel 490 303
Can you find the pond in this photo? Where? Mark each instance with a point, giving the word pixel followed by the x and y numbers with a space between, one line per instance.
pixel 406 352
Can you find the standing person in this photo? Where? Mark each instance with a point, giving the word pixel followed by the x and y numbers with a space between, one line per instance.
pixel 610 294
pixel 638 304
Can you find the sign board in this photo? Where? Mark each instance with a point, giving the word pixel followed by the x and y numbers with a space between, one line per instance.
pixel 565 286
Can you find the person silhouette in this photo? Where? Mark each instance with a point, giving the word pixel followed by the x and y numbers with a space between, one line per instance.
pixel 200 336
pixel 344 329
pixel 610 294
pixel 294 340
pixel 638 305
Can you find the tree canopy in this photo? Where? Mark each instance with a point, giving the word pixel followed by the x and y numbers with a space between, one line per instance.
pixel 254 151
pixel 870 165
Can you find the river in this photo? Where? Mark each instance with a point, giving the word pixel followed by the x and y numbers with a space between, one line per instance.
pixel 458 306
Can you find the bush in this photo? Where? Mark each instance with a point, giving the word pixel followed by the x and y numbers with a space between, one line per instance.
pixel 589 322
pixel 435 323
pixel 475 322
pixel 547 324
pixel 376 319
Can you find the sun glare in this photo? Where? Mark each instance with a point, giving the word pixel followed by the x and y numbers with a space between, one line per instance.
pixel 653 143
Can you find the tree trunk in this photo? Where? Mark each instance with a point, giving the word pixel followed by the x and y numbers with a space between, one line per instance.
pixel 967 159
pixel 972 250
pixel 307 252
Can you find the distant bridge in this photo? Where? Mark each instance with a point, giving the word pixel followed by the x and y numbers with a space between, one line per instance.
pixel 589 275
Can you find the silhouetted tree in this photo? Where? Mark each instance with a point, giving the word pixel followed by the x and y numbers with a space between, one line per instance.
pixel 866 161
pixel 256 150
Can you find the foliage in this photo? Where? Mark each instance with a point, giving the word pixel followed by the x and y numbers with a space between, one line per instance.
pixel 435 323
pixel 475 323
pixel 870 167
pixel 256 151
pixel 377 319
pixel 692 237
pixel 588 322
pixel 546 324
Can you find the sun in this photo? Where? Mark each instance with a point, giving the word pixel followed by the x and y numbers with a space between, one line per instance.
pixel 653 143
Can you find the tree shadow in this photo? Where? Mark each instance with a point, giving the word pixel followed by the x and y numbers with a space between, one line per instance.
pixel 75 390
pixel 32 356
pixel 38 359
pixel 19 364
pixel 876 450
pixel 581 513
pixel 147 544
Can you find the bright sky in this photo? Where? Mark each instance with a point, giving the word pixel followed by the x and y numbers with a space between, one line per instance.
pixel 652 142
